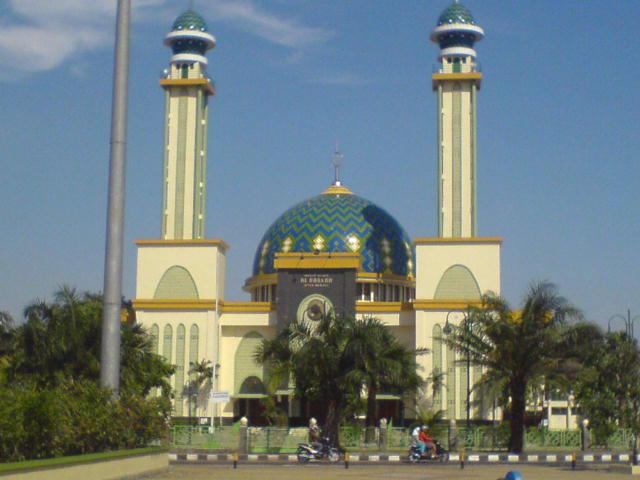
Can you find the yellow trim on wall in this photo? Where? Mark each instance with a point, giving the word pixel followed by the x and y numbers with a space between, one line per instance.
pixel 365 307
pixel 387 278
pixel 190 241
pixel 253 307
pixel 363 277
pixel 174 304
pixel 445 305
pixel 457 76
pixel 207 304
pixel 476 77
pixel 445 240
pixel 189 82
pixel 317 260
pixel 260 280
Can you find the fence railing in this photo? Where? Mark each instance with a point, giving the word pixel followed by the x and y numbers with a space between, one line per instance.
pixel 356 438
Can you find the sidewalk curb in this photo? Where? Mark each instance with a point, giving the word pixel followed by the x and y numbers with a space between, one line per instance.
pixel 454 458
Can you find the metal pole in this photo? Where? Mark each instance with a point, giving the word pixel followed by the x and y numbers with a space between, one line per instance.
pixel 213 389
pixel 468 387
pixel 468 327
pixel 110 351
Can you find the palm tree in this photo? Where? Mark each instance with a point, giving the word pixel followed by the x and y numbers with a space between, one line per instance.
pixel 62 339
pixel 382 364
pixel 200 373
pixel 516 346
pixel 334 359
pixel 315 355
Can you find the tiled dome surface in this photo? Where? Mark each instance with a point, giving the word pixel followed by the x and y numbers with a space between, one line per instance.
pixel 339 223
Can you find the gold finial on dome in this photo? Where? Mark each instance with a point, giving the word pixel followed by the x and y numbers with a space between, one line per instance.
pixel 337 190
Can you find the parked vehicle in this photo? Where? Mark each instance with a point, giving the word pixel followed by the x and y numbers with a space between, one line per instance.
pixel 437 454
pixel 318 451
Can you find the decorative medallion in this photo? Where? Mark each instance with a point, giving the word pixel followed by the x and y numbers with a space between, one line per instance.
pixel 286 245
pixel 353 243
pixel 318 243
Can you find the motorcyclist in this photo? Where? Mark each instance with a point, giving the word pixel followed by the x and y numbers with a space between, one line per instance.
pixel 417 440
pixel 314 434
pixel 426 440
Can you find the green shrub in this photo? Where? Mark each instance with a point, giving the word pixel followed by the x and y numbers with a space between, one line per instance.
pixel 75 417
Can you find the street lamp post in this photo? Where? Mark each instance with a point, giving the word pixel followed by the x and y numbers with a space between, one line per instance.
pixel 214 386
pixel 468 384
pixel 629 323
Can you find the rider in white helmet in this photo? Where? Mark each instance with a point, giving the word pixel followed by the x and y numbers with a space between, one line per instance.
pixel 415 436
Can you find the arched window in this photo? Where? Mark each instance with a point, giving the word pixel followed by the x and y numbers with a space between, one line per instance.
pixel 437 367
pixel 252 385
pixel 451 383
pixel 194 335
pixel 180 341
pixel 155 338
pixel 176 283
pixel 463 391
pixel 167 343
pixel 457 283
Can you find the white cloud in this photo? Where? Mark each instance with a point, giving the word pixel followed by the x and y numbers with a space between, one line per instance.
pixel 42 34
pixel 247 16
pixel 39 35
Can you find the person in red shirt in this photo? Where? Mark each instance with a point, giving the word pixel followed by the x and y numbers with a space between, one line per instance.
pixel 425 438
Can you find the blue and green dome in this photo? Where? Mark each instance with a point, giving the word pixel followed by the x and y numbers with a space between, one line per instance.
pixel 457 31
pixel 456 13
pixel 189 38
pixel 339 221
pixel 189 20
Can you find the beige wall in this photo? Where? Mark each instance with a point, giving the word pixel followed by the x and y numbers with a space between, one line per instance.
pixel 433 259
pixel 205 263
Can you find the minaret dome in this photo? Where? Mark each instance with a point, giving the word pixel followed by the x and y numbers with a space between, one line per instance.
pixel 456 32
pixel 189 39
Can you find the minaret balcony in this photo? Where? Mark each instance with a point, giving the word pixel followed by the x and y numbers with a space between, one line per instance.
pixel 457 65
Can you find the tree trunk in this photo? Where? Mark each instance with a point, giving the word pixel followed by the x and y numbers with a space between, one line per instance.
pixel 516 439
pixel 370 422
pixel 332 428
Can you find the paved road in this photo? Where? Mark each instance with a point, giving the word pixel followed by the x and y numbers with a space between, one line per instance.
pixel 382 472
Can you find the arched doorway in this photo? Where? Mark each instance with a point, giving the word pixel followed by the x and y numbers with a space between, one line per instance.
pixel 249 401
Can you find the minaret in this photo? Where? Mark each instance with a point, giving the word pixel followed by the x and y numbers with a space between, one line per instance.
pixel 187 90
pixel 457 82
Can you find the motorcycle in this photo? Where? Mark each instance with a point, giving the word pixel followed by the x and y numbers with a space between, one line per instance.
pixel 317 451
pixel 439 453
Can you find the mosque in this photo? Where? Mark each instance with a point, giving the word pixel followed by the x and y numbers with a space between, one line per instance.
pixel 335 251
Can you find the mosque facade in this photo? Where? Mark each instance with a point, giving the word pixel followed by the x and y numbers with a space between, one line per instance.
pixel 336 251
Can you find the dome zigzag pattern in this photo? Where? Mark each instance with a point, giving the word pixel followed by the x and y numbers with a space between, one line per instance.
pixel 339 223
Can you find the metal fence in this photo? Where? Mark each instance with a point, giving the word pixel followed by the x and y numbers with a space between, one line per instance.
pixel 276 440
pixel 356 438
pixel 219 438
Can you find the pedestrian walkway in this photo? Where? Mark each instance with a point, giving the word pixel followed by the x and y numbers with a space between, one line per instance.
pixel 382 472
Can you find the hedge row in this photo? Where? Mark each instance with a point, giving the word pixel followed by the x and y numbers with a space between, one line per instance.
pixel 75 417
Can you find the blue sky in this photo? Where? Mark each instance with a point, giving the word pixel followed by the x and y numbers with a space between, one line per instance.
pixel 558 133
